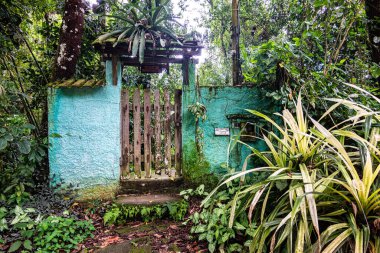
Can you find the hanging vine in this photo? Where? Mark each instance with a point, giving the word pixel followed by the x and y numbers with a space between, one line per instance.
pixel 199 111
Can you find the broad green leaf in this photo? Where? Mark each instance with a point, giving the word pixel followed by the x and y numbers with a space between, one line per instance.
pixel 3 143
pixel 28 245
pixel 24 146
pixel 15 246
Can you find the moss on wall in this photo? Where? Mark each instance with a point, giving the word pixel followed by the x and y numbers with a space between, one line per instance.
pixel 98 192
pixel 197 168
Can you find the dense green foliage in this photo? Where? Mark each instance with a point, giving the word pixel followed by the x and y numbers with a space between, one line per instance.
pixel 61 234
pixel 29 41
pixel 120 214
pixel 29 34
pixel 320 190
pixel 28 230
pixel 315 46
pixel 211 224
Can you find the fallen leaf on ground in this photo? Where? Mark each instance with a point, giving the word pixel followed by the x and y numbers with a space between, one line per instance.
pixel 157 235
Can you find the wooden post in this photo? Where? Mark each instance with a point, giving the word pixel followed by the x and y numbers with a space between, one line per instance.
pixel 157 129
pixel 147 134
pixel 178 131
pixel 236 66
pixel 124 134
pixel 114 69
pixel 168 142
pixel 185 71
pixel 137 133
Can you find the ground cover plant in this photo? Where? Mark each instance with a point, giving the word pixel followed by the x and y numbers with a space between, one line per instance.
pixel 320 193
pixel 42 222
pixel 27 230
pixel 119 213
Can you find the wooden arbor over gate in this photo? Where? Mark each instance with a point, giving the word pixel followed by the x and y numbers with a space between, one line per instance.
pixel 143 152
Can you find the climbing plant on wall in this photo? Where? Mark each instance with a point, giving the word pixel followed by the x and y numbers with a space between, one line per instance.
pixel 199 111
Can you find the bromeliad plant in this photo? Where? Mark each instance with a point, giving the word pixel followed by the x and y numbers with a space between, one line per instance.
pixel 321 192
pixel 139 25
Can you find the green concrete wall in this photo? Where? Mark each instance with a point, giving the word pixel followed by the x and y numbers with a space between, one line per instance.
pixel 84 133
pixel 84 128
pixel 220 102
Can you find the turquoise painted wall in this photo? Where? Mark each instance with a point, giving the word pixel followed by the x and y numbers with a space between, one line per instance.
pixel 221 102
pixel 87 120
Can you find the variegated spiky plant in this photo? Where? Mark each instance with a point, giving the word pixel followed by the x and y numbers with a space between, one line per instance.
pixel 321 190
pixel 140 25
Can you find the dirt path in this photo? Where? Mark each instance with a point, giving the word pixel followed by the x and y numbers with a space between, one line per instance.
pixel 137 236
pixel 157 236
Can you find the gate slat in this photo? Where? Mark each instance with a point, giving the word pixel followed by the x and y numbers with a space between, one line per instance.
pixel 125 134
pixel 178 131
pixel 168 142
pixel 157 130
pixel 147 133
pixel 137 133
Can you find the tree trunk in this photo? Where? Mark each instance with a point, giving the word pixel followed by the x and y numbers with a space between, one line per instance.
pixel 373 14
pixel 372 8
pixel 70 40
pixel 236 66
pixel 68 52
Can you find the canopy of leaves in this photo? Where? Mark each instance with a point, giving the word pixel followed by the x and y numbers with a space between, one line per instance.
pixel 293 44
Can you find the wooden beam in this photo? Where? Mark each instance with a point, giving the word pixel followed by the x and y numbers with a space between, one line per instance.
pixel 158 52
pixel 149 60
pixel 123 45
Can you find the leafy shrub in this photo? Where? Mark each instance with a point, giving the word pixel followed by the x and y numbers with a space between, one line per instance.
pixel 56 234
pixel 25 229
pixel 211 223
pixel 22 224
pixel 320 191
pixel 198 192
pixel 20 154
pixel 119 214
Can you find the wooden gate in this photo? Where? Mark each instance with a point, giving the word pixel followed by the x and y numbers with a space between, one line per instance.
pixel 151 136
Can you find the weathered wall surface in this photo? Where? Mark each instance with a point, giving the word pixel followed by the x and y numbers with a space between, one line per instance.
pixel 220 103
pixel 87 120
